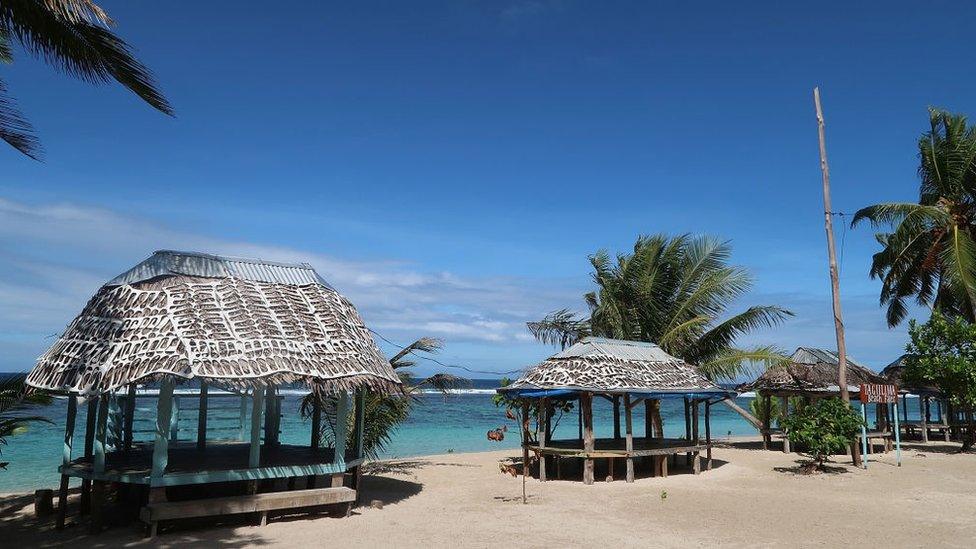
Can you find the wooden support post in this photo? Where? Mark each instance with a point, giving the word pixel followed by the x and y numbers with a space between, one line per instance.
pixel 202 417
pixel 767 421
pixel 616 417
pixel 586 402
pixel 130 414
pixel 174 420
pixel 316 423
pixel 342 429
pixel 923 413
pixel 242 423
pixel 944 419
pixel 91 416
pixel 785 403
pixel 101 432
pixel 904 410
pixel 164 410
pixel 630 438
pixel 270 416
pixel 696 457
pixel 687 428
pixel 648 419
pixel 708 436
pixel 579 417
pixel 524 427
pixel 98 504
pixel 69 434
pixel 359 427
pixel 257 408
pixel 543 432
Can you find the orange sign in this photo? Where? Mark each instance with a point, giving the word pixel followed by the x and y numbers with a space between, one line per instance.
pixel 878 393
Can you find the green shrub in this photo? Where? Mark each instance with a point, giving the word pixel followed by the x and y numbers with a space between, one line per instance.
pixel 824 428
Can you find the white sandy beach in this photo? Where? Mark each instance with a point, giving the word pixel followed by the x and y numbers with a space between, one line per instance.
pixel 750 498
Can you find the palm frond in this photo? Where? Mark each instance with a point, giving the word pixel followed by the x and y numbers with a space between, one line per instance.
pixel 422 345
pixel 562 328
pixel 729 364
pixel 79 48
pixel 15 129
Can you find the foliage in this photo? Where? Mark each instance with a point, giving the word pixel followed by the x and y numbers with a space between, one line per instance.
pixel 16 403
pixel 930 252
pixel 942 353
pixel 383 413
pixel 675 292
pixel 73 36
pixel 513 410
pixel 823 428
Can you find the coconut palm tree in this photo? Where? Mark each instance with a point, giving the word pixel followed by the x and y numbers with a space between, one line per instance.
pixel 16 405
pixel 384 413
pixel 930 252
pixel 676 292
pixel 74 37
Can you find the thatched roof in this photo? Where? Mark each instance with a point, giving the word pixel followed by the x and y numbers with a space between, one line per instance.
pixel 894 373
pixel 812 370
pixel 236 322
pixel 614 366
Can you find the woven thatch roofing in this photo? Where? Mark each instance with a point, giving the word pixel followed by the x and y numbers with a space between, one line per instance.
pixel 236 322
pixel 811 370
pixel 894 372
pixel 614 366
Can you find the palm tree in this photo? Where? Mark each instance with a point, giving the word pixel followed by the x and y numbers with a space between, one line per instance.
pixel 16 403
pixel 673 291
pixel 930 252
pixel 74 37
pixel 384 413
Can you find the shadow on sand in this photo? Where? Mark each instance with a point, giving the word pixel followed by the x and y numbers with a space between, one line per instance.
pixel 20 528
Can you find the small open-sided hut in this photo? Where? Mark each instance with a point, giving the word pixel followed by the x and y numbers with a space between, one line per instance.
pixel 811 374
pixel 242 326
pixel 894 374
pixel 628 371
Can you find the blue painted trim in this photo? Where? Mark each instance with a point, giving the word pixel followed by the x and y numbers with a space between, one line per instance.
pixel 569 394
pixel 204 477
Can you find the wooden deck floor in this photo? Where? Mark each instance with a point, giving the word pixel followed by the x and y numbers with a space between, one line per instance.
pixel 611 447
pixel 187 459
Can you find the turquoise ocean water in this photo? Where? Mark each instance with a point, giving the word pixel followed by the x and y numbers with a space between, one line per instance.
pixel 438 424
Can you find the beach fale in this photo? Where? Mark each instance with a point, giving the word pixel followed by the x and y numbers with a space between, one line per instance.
pixel 943 422
pixel 626 373
pixel 811 374
pixel 245 327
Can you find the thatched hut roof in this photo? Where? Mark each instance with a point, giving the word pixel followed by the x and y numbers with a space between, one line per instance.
pixel 614 366
pixel 811 370
pixel 236 322
pixel 894 374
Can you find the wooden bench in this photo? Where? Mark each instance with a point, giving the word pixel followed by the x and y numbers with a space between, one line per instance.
pixel 258 503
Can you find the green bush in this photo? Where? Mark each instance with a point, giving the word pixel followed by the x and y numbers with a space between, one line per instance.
pixel 824 428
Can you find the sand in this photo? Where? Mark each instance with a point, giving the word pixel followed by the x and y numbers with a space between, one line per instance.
pixel 750 498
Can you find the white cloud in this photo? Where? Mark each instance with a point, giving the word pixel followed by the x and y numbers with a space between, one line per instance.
pixel 56 256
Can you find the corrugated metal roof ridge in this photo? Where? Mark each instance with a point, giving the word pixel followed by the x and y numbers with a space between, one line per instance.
pixel 170 262
pixel 828 357
pixel 251 260
pixel 617 348
pixel 618 341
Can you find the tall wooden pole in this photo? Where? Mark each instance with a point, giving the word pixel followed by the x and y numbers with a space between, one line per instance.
pixel 829 228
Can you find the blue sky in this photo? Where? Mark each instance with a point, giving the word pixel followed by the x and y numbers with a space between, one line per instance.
pixel 450 165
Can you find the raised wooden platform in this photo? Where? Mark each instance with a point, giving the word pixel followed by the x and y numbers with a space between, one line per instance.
pixel 258 503
pixel 615 448
pixel 218 462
